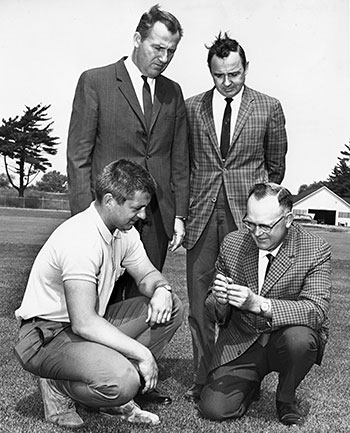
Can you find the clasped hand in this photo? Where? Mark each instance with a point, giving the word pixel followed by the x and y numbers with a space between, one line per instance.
pixel 160 307
pixel 226 292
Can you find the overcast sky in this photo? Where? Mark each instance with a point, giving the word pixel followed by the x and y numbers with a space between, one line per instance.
pixel 298 52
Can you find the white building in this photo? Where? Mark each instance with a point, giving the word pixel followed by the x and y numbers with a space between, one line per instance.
pixel 324 206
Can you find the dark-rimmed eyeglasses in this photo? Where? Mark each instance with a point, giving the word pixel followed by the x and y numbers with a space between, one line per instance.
pixel 263 227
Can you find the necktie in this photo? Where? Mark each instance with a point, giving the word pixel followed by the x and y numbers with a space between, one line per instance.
pixel 270 258
pixel 226 129
pixel 147 101
pixel 264 338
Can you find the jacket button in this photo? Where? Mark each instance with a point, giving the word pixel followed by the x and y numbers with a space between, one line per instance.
pixel 213 199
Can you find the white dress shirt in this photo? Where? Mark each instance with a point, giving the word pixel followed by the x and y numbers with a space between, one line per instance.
pixel 219 105
pixel 137 80
pixel 263 262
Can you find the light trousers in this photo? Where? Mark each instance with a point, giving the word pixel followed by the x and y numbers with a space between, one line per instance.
pixel 91 373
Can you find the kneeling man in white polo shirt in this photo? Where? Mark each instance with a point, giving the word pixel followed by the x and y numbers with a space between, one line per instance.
pixel 83 351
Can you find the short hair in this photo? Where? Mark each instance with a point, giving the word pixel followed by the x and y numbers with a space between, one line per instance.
pixel 284 196
pixel 222 46
pixel 122 179
pixel 154 15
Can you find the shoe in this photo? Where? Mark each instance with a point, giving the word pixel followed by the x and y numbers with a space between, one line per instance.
pixel 155 396
pixel 194 393
pixel 288 413
pixel 131 412
pixel 58 408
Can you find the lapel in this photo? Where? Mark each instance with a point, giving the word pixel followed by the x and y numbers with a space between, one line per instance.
pixel 283 261
pixel 250 265
pixel 243 114
pixel 159 95
pixel 206 112
pixel 125 86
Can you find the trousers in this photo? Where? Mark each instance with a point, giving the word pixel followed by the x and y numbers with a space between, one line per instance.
pixel 291 351
pixel 90 373
pixel 200 265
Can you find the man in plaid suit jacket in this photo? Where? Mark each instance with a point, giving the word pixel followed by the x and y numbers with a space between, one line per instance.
pixel 271 296
pixel 219 183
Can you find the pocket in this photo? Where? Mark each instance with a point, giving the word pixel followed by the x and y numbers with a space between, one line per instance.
pixel 27 347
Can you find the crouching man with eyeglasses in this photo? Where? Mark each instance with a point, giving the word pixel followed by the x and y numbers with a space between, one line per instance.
pixel 271 296
pixel 83 351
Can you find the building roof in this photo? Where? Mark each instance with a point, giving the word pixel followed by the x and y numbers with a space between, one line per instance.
pixel 313 191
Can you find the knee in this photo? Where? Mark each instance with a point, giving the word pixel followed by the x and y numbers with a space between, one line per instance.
pixel 298 340
pixel 215 408
pixel 178 311
pixel 123 387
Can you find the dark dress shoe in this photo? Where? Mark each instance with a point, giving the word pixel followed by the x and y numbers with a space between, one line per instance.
pixel 288 413
pixel 155 396
pixel 194 393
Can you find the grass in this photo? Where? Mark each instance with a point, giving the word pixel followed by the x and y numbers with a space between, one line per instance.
pixel 324 394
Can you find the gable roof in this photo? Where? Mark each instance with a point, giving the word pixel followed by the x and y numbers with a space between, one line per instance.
pixel 302 196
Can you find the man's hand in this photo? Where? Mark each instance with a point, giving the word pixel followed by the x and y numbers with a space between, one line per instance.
pixel 219 288
pixel 226 292
pixel 160 307
pixel 179 234
pixel 149 371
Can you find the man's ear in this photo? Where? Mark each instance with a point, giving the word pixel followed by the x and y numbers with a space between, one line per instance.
pixel 137 39
pixel 289 219
pixel 108 199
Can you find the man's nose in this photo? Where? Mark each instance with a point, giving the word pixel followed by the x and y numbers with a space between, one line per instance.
pixel 163 56
pixel 257 231
pixel 142 214
pixel 227 81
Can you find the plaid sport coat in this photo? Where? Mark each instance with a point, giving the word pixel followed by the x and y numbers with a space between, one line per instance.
pixel 298 284
pixel 257 154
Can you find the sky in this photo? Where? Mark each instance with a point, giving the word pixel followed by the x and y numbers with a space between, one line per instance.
pixel 298 52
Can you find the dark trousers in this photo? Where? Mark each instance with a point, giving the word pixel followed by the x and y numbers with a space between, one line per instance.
pixel 155 241
pixel 291 351
pixel 200 270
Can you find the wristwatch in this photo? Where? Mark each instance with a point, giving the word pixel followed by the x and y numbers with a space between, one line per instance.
pixel 165 286
pixel 264 307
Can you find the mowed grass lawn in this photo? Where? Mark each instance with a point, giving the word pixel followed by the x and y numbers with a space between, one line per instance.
pixel 324 394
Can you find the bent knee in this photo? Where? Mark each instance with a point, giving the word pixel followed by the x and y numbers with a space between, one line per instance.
pixel 178 311
pixel 123 387
pixel 300 339
pixel 212 407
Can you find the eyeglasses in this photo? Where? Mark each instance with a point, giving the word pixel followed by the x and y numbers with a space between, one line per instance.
pixel 263 227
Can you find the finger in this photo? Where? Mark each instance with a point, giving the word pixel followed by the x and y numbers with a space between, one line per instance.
pixel 149 313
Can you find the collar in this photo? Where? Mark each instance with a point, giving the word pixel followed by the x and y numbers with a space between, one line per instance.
pixel 107 236
pixel 218 97
pixel 135 73
pixel 264 253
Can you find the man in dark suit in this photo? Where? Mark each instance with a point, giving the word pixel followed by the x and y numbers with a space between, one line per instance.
pixel 130 110
pixel 271 297
pixel 237 138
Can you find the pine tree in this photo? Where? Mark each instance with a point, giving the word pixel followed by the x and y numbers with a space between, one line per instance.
pixel 339 180
pixel 23 142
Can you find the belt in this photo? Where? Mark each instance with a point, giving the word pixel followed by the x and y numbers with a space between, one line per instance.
pixel 32 320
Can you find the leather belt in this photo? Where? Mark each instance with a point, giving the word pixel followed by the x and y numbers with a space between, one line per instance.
pixel 32 320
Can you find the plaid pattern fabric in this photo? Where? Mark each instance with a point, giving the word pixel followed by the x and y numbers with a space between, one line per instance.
pixel 298 285
pixel 257 154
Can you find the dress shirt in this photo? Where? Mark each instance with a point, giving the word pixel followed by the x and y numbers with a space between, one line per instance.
pixel 137 81
pixel 263 261
pixel 219 105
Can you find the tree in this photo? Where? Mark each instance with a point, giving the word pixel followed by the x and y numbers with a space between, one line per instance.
pixel 52 181
pixel 23 141
pixel 4 182
pixel 339 180
pixel 312 187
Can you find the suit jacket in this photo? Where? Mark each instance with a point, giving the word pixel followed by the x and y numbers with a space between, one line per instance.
pixel 107 124
pixel 298 284
pixel 256 154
